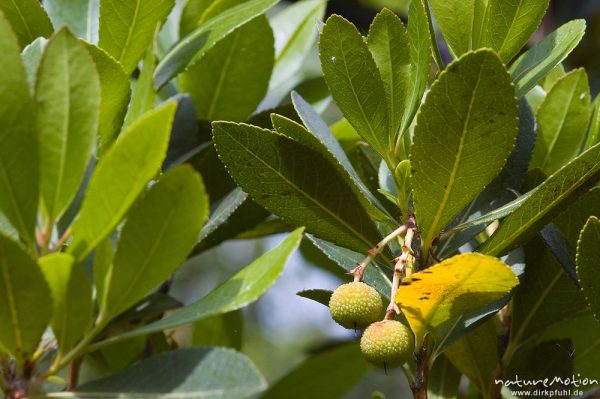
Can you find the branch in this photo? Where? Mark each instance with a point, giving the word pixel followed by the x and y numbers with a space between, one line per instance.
pixel 359 270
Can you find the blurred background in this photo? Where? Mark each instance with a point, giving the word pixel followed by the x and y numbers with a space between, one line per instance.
pixel 281 329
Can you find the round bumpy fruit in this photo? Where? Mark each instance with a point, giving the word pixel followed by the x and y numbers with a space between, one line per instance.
pixel 387 343
pixel 355 305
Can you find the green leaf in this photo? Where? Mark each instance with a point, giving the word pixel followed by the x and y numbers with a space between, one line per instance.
pixel 295 29
pixel 142 94
pixel 104 256
pixel 127 28
pixel 328 375
pixel 545 296
pixel 160 232
pixel 402 175
pixel 537 362
pixel 186 140
pixel 588 255
pixel 461 22
pixel 552 77
pixel 31 56
pixel 539 60
pixel 509 25
pixel 574 218
pixel 443 380
pixel 264 228
pixel 326 144
pixel 119 356
pixel 81 16
pixel 420 57
pixel 67 94
pixel 229 81
pixel 217 7
pixel 330 145
pixel 114 96
pixel 504 26
pixel 475 355
pixel 149 309
pixel 374 275
pixel 563 118
pixel 223 211
pixel 19 150
pixel 120 176
pixel 546 201
pixel 27 18
pixel 194 46
pixel 71 298
pixel 279 174
pixel 593 133
pixel 460 127
pixel 388 43
pixel 191 12
pixel 317 295
pixel 498 192
pixel 182 373
pixel 25 301
pixel 560 249
pixel 220 330
pixel 243 288
pixel 584 333
pixel 244 219
pixel 355 83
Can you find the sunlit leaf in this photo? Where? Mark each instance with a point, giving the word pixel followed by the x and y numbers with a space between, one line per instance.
pixel 120 177
pixel 71 296
pixel 451 288
pixel 27 18
pixel 462 138
pixel 127 28
pixel 25 301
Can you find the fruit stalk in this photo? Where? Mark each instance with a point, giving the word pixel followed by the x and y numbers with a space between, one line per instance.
pixel 359 270
pixel 404 264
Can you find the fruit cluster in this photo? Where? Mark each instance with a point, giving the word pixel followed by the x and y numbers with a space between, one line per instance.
pixel 386 343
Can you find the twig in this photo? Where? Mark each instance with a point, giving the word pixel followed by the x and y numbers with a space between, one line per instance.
pixel 61 240
pixel 419 384
pixel 359 270
pixel 73 374
pixel 404 265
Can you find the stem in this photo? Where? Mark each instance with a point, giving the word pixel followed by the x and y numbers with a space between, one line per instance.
pixel 404 264
pixel 392 308
pixel 419 384
pixel 73 374
pixel 46 237
pixel 61 240
pixel 505 348
pixel 359 270
pixel 62 361
pixel 434 47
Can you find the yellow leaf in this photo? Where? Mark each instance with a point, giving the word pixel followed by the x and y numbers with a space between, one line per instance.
pixel 456 286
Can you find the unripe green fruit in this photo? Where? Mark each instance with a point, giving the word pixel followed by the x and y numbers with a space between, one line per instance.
pixel 387 343
pixel 355 305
